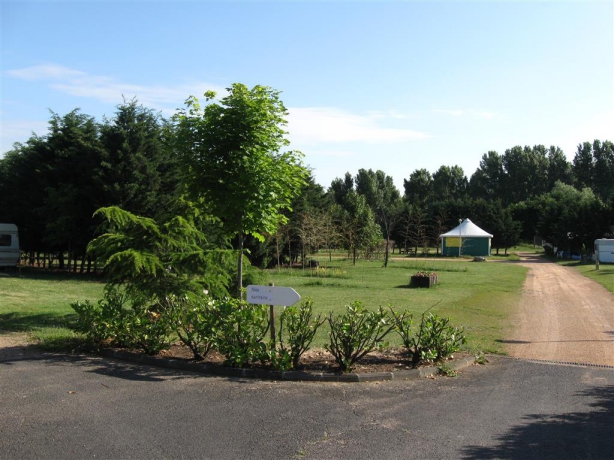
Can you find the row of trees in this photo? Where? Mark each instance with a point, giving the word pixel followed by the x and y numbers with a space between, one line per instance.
pixel 222 165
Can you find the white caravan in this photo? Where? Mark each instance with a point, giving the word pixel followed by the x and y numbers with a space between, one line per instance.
pixel 604 250
pixel 9 245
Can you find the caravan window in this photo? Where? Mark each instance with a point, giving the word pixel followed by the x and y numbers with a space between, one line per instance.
pixel 5 240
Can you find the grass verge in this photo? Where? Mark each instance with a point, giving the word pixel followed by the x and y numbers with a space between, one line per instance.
pixel 38 303
pixel 478 296
pixel 604 276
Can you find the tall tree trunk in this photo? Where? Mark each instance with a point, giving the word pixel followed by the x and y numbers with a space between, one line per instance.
pixel 386 253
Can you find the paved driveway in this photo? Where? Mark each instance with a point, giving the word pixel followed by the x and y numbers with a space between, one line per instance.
pixel 56 407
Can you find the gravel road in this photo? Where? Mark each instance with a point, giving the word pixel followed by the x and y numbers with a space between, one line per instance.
pixel 563 316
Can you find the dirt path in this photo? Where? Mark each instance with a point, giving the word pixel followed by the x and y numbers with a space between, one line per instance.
pixel 563 316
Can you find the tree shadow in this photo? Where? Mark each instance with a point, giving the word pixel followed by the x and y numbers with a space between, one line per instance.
pixel 41 274
pixel 9 356
pixel 561 436
pixel 109 367
pixel 15 321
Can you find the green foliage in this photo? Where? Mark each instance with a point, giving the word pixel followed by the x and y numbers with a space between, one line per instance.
pixel 154 261
pixel 434 339
pixel 232 160
pixel 301 329
pixel 115 322
pixel 242 329
pixel 193 318
pixel 146 329
pixel 103 322
pixel 446 369
pixel 356 333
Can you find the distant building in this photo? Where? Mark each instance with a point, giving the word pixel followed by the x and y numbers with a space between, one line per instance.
pixel 467 239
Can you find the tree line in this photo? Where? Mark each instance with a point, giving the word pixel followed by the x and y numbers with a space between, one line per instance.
pixel 213 163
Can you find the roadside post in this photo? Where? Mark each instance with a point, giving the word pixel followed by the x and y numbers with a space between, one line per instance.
pixel 272 295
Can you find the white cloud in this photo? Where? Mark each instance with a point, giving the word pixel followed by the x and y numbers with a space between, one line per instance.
pixel 109 90
pixel 470 112
pixel 19 131
pixel 45 72
pixel 310 125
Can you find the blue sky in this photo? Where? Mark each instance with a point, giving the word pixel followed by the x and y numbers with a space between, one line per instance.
pixel 396 86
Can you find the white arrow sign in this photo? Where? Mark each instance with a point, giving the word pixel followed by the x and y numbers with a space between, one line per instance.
pixel 272 295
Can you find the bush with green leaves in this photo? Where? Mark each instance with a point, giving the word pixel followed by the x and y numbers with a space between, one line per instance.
pixel 152 261
pixel 104 321
pixel 242 331
pixel 119 324
pixel 433 340
pixel 356 333
pixel 440 338
pixel 145 328
pixel 147 264
pixel 301 327
pixel 195 321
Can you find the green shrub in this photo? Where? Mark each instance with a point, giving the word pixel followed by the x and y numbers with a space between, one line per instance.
pixel 146 329
pixel 242 329
pixel 112 322
pixel 103 322
pixel 301 328
pixel 440 339
pixel 356 333
pixel 194 320
pixel 433 340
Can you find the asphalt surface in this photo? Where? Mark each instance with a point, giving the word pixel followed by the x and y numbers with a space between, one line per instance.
pixel 59 407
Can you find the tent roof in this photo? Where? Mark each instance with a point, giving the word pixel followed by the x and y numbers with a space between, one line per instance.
pixel 467 229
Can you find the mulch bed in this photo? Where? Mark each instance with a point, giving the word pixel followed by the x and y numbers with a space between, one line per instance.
pixel 317 360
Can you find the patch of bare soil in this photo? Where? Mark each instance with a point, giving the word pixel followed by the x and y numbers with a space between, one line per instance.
pixel 13 344
pixel 562 316
pixel 318 360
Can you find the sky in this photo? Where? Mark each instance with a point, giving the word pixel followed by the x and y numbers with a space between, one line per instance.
pixel 385 85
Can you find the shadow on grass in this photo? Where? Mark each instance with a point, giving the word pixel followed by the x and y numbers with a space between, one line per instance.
pixel 17 322
pixel 40 274
pixel 560 436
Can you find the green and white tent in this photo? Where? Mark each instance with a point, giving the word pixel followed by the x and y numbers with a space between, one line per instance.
pixel 467 239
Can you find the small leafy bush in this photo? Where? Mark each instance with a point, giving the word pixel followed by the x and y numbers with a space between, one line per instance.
pixel 105 321
pixel 356 333
pixel 242 329
pixel 440 339
pixel 433 340
pixel 113 322
pixel 194 320
pixel 146 329
pixel 301 329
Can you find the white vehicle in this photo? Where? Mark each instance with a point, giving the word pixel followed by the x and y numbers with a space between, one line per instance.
pixel 604 250
pixel 9 245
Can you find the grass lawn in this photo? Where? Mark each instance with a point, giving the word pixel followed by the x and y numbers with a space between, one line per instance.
pixel 604 276
pixel 478 296
pixel 38 302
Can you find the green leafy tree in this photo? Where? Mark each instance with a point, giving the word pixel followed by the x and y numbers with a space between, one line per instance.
pixel 571 218
pixel 153 261
pixel 526 173
pixel 231 151
pixel 449 183
pixel 357 225
pixel 419 187
pixel 487 181
pixel 137 170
